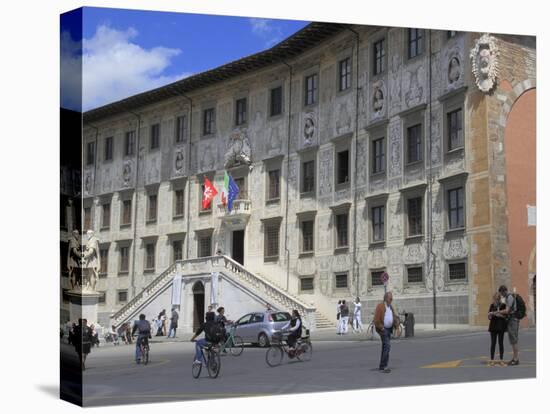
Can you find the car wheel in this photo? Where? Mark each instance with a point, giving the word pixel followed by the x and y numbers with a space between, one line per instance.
pixel 263 340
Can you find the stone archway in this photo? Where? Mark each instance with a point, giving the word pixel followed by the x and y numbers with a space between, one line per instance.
pixel 198 304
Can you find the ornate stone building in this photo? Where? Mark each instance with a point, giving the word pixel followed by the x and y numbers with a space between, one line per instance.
pixel 357 150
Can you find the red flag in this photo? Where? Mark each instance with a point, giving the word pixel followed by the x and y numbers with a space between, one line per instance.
pixel 208 195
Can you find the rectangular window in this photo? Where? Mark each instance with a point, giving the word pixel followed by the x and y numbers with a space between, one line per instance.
pixel 150 256
pixel 414 216
pixel 130 143
pixel 104 257
pixel 457 271
pixel 124 258
pixel 106 216
pixel 205 245
pixel 122 296
pixel 308 176
pixel 342 230
pixel 414 143
pixel 240 111
pixel 208 121
pixel 126 212
pixel 108 153
pixel 376 278
pixel 243 190
pixel 343 167
pixel 378 155
pixel 455 135
pixel 311 89
pixel 271 249
pixel 152 208
pixel 415 42
pixel 177 249
pixel 415 275
pixel 181 128
pixel 451 34
pixel 90 153
pixel 276 106
pixel 102 298
pixel 178 203
pixel 306 283
pixel 378 232
pixel 341 280
pixel 345 74
pixel 274 185
pixel 87 219
pixel 307 236
pixel 379 52
pixel 155 136
pixel 456 208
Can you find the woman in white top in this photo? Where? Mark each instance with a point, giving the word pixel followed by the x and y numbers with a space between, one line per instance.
pixel 357 324
pixel 338 320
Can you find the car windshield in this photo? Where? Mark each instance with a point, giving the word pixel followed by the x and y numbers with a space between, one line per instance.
pixel 280 316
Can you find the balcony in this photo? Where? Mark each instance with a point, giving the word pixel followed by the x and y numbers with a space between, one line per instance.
pixel 238 216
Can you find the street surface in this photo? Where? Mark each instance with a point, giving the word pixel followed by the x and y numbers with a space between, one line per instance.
pixel 338 363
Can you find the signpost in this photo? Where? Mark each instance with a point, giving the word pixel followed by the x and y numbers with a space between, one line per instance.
pixel 385 277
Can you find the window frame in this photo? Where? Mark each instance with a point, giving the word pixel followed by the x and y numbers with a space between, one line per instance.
pixel 104 259
pixel 419 143
pixel 379 59
pixel 419 42
pixel 181 125
pixel 341 288
pixel 106 226
pixel 311 96
pixel 202 235
pixel 90 153
pixel 108 146
pixel 460 210
pixel 147 268
pixel 123 204
pixel 376 158
pixel 154 137
pixel 423 275
pixel 449 263
pixel 208 121
pixel 129 143
pixel 337 234
pixel 371 278
pixel 373 223
pixel 345 74
pixel 421 215
pixel 281 103
pixel 152 219
pixel 301 287
pixel 118 292
pixel 121 248
pixel 241 111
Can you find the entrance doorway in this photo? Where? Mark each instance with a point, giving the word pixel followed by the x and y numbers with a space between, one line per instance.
pixel 198 305
pixel 237 248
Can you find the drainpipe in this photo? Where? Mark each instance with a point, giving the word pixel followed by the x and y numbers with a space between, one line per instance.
pixel 355 261
pixel 431 257
pixel 134 247
pixel 188 209
pixel 287 251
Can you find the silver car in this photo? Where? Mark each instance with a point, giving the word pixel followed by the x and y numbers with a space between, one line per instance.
pixel 258 327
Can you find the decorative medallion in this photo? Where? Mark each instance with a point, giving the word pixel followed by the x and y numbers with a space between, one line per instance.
pixel 484 62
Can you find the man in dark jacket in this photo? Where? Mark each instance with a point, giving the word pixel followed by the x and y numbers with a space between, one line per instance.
pixel 173 324
pixel 212 333
pixel 385 320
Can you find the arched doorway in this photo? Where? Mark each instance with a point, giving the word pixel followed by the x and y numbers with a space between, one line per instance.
pixel 198 304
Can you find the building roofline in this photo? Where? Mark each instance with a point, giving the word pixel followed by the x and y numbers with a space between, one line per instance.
pixel 306 38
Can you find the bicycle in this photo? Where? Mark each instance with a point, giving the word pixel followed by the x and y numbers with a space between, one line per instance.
pixel 144 351
pixel 211 360
pixel 279 346
pixel 396 333
pixel 371 330
pixel 233 342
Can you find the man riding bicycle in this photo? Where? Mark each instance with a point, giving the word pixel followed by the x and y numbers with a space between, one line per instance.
pixel 212 333
pixel 143 328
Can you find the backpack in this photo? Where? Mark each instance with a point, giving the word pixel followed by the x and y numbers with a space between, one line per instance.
pixel 213 332
pixel 520 310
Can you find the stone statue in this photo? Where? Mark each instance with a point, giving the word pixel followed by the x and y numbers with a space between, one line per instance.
pixel 378 100
pixel 454 70
pixel 484 62
pixel 239 151
pixel 91 261
pixel 74 255
pixel 179 161
pixel 126 173
pixel 309 129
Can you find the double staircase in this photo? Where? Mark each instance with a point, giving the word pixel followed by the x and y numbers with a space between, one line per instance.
pixel 254 284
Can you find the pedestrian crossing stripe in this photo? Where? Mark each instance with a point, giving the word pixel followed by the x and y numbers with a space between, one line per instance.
pixel 448 364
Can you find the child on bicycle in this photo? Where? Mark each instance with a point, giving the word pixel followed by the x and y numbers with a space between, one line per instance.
pixel 143 328
pixel 294 326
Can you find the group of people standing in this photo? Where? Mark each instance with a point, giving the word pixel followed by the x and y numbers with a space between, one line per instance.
pixel 161 321
pixel 343 317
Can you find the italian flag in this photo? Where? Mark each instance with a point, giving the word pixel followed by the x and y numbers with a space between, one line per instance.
pixel 225 189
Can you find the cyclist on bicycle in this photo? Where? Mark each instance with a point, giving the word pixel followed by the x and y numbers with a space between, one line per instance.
pixel 143 328
pixel 212 334
pixel 294 326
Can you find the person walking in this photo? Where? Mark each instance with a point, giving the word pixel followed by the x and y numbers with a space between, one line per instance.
pixel 338 321
pixel 385 320
pixel 497 328
pixel 513 322
pixel 173 323
pixel 162 318
pixel 344 317
pixel 357 323
pixel 82 341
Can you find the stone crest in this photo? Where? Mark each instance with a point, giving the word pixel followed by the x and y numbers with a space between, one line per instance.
pixel 378 99
pixel 126 173
pixel 309 128
pixel 484 56
pixel 239 151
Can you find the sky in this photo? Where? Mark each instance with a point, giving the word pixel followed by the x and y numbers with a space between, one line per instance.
pixel 125 52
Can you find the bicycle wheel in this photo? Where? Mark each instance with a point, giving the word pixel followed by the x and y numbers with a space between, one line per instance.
pixel 370 332
pixel 196 369
pixel 274 356
pixel 306 352
pixel 214 364
pixel 146 355
pixel 237 346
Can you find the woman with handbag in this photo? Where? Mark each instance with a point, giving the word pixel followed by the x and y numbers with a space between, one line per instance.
pixel 497 328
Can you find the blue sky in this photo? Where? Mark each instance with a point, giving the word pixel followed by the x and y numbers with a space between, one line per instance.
pixel 127 51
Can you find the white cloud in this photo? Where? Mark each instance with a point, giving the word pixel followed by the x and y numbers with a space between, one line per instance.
pixel 114 67
pixel 265 29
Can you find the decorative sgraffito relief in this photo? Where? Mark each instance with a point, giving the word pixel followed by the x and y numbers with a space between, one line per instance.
pixel 484 56
pixel 107 180
pixel 436 136
pixel 325 185
pixel 362 157
pixel 274 144
pixel 153 171
pixel 324 282
pixel 413 85
pixel 207 157
pixel 343 121
pixel 395 86
pixel 414 253
pixel 395 149
pixel 396 229
pixel 455 249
